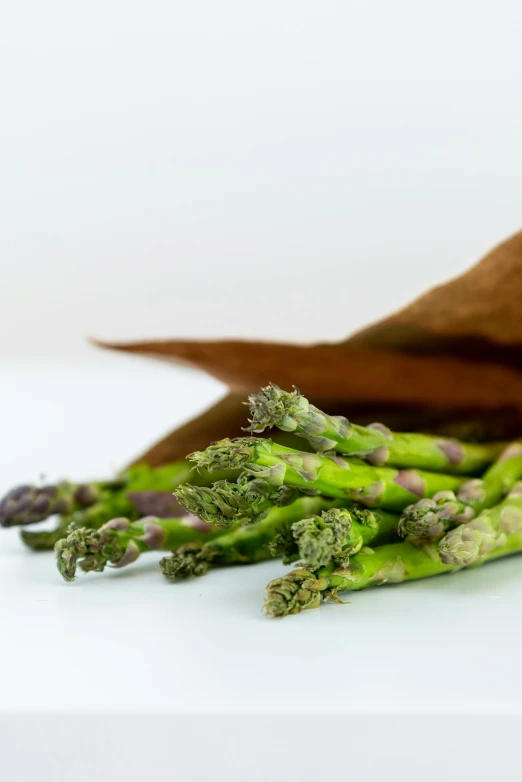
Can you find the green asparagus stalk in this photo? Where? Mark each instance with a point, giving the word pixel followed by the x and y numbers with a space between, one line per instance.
pixel 244 544
pixel 339 533
pixel 430 519
pixel 120 542
pixel 29 504
pixel 46 540
pixel 389 564
pixel 467 543
pixel 332 475
pixel 292 412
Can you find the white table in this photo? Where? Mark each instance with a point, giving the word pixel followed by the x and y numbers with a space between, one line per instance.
pixel 122 675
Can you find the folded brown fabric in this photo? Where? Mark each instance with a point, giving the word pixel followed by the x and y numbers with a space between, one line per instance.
pixel 451 362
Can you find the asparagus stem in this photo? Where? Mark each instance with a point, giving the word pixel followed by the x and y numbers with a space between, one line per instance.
pixel 224 503
pixel 244 544
pixel 340 533
pixel 391 564
pixel 292 412
pixel 430 519
pixel 46 540
pixel 168 477
pixel 120 542
pixel 331 475
pixel 468 542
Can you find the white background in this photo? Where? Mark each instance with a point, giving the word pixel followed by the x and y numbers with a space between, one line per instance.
pixel 276 169
pixel 282 170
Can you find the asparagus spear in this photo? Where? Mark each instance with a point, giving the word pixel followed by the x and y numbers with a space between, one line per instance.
pixel 331 475
pixel 224 503
pixel 338 533
pixel 30 504
pixel 244 544
pixel 390 564
pixel 292 412
pixel 467 543
pixel 120 542
pixel 430 519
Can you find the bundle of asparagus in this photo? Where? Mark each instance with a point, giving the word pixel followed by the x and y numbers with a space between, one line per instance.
pixel 469 491
pixel 356 506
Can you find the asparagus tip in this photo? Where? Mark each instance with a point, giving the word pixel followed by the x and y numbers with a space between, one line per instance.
pixel 292 594
pixel 319 538
pixel 224 503
pixel 66 556
pixel 92 550
pixel 273 407
pixel 187 560
pixel 29 504
pixel 220 504
pixel 225 454
pixel 463 545
pixel 428 519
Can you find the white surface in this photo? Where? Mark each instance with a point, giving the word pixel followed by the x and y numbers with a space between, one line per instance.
pixel 173 168
pixel 417 659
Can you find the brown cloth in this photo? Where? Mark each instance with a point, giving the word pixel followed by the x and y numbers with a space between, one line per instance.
pixel 451 362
